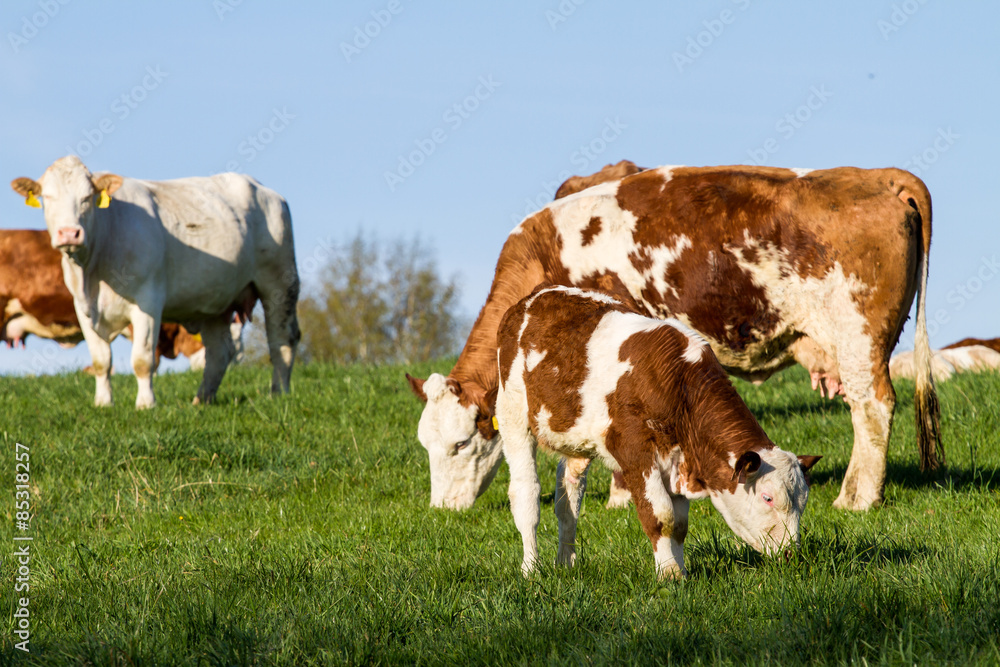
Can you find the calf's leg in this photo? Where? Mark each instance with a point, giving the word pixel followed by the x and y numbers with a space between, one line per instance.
pixel 618 495
pixel 653 503
pixel 571 483
pixel 519 449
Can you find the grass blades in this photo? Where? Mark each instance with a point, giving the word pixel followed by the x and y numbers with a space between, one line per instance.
pixel 296 530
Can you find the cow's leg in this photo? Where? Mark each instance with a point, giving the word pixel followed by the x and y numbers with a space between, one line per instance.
pixel 571 482
pixel 653 503
pixel 872 399
pixel 219 351
pixel 100 359
pixel 145 331
pixel 618 495
pixel 283 335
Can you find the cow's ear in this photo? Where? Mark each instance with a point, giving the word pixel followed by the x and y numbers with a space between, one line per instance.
pixel 807 462
pixel 26 187
pixel 487 409
pixel 107 183
pixel 417 386
pixel 747 464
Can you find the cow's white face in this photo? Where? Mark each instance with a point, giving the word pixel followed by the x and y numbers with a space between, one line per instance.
pixel 765 510
pixel 462 461
pixel 69 195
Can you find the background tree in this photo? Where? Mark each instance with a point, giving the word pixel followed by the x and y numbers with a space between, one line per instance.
pixel 373 303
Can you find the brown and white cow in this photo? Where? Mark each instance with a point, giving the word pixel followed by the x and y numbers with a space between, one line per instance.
pixel 191 250
pixel 34 300
pixel 33 296
pixel 584 377
pixel 968 355
pixel 770 265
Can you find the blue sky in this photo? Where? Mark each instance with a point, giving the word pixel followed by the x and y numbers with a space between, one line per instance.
pixel 450 121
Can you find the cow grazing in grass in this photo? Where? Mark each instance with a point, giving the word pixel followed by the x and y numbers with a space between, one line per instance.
pixel 584 377
pixel 193 250
pixel 770 265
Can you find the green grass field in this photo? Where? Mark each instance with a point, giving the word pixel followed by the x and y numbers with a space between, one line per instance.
pixel 297 530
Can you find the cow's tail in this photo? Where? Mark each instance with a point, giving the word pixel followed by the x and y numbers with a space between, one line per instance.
pixel 914 193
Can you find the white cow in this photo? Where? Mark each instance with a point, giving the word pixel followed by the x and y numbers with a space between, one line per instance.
pixel 191 250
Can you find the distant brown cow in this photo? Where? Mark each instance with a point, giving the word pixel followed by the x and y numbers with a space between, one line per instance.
pixel 34 299
pixel 610 172
pixel 992 343
pixel 33 296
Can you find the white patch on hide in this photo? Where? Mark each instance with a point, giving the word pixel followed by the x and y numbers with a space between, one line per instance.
pixel 534 358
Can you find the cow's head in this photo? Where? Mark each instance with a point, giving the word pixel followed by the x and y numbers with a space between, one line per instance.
pixel 71 195
pixel 456 429
pixel 769 498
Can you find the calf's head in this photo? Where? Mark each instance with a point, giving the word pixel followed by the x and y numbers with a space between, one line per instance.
pixel 457 431
pixel 71 195
pixel 766 498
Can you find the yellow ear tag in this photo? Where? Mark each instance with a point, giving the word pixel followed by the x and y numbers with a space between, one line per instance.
pixel 496 424
pixel 197 337
pixel 32 201
pixel 105 200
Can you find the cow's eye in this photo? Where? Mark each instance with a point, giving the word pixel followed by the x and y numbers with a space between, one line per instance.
pixel 767 499
pixel 459 446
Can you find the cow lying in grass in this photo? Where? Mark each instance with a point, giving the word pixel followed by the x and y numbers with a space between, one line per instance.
pixel 585 377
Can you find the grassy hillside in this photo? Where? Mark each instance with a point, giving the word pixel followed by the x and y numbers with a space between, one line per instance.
pixel 297 530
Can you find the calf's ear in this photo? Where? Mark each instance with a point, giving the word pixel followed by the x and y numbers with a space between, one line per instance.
pixel 747 464
pixel 807 462
pixel 417 386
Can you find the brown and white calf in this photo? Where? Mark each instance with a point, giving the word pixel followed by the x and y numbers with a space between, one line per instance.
pixel 772 266
pixel 583 376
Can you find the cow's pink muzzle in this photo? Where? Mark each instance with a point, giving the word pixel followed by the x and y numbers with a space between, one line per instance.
pixel 67 237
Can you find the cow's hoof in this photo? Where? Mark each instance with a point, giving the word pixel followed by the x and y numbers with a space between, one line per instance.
pixel 671 574
pixel 618 498
pixel 206 400
pixel 566 558
pixel 144 405
pixel 855 503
